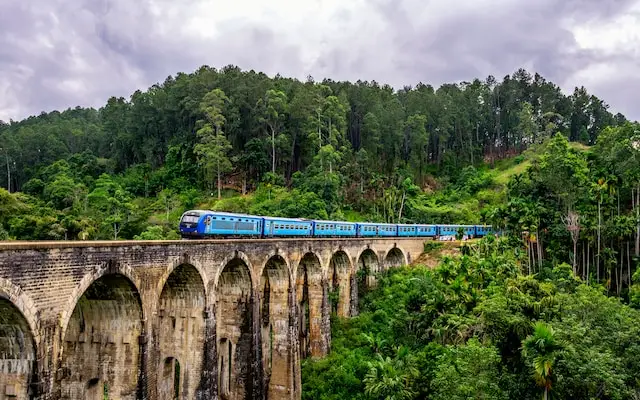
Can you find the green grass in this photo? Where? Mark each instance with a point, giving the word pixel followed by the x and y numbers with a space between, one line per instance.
pixel 502 177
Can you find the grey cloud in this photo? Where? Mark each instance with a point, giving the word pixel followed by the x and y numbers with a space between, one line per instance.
pixel 475 42
pixel 126 47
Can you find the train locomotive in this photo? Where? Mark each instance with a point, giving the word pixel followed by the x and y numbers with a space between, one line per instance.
pixel 201 224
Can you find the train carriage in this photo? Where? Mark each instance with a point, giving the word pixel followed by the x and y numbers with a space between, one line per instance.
pixel 277 226
pixel 365 229
pixel 334 228
pixel 426 230
pixel 483 230
pixel 203 223
pixel 407 230
pixel 452 230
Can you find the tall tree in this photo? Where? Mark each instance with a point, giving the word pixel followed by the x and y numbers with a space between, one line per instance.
pixel 214 146
pixel 273 109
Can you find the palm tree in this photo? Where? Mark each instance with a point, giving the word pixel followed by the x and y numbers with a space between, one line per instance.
pixel 541 349
pixel 391 379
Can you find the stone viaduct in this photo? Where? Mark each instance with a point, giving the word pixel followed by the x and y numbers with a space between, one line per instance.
pixel 201 319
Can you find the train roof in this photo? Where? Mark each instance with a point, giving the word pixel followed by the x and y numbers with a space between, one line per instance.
pixel 223 213
pixel 375 223
pixel 466 226
pixel 286 219
pixel 333 222
pixel 416 224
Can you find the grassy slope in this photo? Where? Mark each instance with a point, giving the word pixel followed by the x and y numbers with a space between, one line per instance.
pixel 500 174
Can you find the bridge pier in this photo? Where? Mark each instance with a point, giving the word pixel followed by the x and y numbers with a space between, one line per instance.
pixel 210 319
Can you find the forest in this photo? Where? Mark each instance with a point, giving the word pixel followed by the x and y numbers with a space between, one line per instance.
pixel 547 309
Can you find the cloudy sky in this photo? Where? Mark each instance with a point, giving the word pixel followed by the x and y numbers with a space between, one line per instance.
pixel 56 54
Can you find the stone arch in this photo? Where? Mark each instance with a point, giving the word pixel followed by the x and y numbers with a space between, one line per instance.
pixel 169 379
pixel 368 267
pixel 340 282
pixel 110 267
pixel 235 330
pixel 22 302
pixel 311 300
pixel 101 350
pixel 237 256
pixel 179 262
pixel 364 277
pixel 18 368
pixel 180 332
pixel 275 287
pixel 394 258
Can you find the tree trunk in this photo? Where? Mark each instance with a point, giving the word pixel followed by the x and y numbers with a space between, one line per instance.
pixel 244 184
pixel 219 182
pixel 637 253
pixel 575 257
pixel 588 259
pixel 401 205
pixel 539 245
pixel 621 268
pixel 320 139
pixel 629 263
pixel 273 150
pixel 218 163
pixel 8 172
pixel 598 249
pixel 583 259
pixel 530 255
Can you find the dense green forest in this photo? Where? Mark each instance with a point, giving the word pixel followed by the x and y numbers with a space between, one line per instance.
pixel 476 327
pixel 277 146
pixel 549 308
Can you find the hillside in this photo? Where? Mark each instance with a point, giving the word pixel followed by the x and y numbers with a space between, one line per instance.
pixel 327 149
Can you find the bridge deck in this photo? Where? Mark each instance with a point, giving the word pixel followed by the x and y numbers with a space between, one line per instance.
pixel 56 244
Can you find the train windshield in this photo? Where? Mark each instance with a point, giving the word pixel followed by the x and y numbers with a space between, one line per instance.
pixel 191 218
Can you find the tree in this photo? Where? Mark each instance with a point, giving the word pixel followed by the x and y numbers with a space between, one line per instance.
pixel 391 379
pixel 112 202
pixel 416 142
pixel 564 171
pixel 214 147
pixel 273 108
pixel 572 222
pixel 541 351
pixel 526 125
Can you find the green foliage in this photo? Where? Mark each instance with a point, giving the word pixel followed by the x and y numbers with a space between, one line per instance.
pixel 431 246
pixel 417 154
pixel 477 327
pixel 468 371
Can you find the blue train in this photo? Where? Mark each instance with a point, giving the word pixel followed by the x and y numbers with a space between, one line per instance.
pixel 198 224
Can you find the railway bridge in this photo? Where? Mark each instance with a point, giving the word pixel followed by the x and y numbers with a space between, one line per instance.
pixel 200 319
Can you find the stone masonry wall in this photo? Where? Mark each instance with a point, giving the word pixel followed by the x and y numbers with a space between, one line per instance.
pixel 149 319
